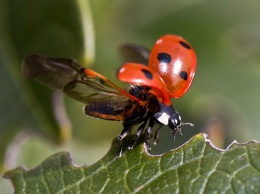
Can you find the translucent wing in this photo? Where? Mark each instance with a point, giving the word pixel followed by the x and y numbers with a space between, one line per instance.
pixel 93 91
pixel 52 72
pixel 81 84
pixel 134 53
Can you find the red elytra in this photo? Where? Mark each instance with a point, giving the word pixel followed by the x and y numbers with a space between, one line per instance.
pixel 174 60
pixel 142 75
pixel 171 67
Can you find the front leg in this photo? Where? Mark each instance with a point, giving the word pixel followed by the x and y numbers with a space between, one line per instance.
pixel 156 136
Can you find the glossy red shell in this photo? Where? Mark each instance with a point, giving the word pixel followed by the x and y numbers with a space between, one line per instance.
pixel 174 60
pixel 142 75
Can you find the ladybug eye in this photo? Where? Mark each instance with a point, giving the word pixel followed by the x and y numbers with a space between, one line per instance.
pixel 147 74
pixel 185 45
pixel 184 75
pixel 177 122
pixel 164 57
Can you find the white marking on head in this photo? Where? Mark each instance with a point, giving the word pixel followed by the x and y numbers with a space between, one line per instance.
pixel 164 119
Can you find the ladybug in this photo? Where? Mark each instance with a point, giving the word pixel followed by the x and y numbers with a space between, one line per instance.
pixel 153 77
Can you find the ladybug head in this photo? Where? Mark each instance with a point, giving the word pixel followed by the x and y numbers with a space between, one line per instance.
pixel 175 122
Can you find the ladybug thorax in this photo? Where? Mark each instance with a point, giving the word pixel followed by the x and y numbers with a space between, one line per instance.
pixel 167 115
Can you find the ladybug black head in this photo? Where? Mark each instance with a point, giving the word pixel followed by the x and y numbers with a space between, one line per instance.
pixel 175 121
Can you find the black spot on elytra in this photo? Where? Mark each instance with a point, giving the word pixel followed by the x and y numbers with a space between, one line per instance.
pixel 164 57
pixel 184 75
pixel 185 45
pixel 147 74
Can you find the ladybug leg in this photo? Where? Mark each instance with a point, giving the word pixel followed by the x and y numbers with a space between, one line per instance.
pixel 148 134
pixel 137 134
pixel 174 135
pixel 178 130
pixel 120 138
pixel 156 136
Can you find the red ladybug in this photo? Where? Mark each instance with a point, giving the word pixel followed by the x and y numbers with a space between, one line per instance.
pixel 169 74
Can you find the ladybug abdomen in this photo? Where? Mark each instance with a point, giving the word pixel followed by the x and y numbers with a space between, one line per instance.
pixel 104 110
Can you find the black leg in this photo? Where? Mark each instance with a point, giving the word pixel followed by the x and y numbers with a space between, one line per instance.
pixel 178 130
pixel 148 134
pixel 156 136
pixel 137 135
pixel 174 135
pixel 120 138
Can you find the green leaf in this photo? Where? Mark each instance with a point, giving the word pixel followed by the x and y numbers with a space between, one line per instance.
pixel 196 167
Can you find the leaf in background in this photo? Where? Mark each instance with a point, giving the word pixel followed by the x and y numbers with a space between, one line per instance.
pixel 196 167
pixel 50 27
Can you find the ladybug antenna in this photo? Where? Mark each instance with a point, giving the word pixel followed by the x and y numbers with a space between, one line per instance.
pixel 190 124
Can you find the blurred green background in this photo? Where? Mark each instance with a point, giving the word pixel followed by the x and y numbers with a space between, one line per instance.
pixel 223 100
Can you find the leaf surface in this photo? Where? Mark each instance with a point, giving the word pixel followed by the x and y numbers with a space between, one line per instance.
pixel 196 167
